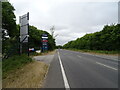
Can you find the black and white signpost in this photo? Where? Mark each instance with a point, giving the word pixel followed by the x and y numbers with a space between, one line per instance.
pixel 24 33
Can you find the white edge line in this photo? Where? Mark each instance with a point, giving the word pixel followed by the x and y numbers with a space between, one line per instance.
pixel 63 73
pixel 106 66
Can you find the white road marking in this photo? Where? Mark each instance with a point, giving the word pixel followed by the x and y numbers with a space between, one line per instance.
pixel 79 56
pixel 106 66
pixel 63 74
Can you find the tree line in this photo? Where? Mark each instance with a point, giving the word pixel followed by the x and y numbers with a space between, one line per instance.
pixel 10 36
pixel 106 39
pixel 36 38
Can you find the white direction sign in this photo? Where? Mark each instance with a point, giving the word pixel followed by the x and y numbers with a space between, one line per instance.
pixel 24 25
pixel 45 37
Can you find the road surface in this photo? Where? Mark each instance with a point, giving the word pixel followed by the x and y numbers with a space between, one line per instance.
pixel 70 69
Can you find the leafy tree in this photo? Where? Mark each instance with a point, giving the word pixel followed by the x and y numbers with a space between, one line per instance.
pixel 107 39
pixel 35 38
pixel 9 26
pixel 9 19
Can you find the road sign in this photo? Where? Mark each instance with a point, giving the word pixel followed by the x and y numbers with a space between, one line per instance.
pixel 44 42
pixel 24 25
pixel 31 49
pixel 24 33
pixel 45 37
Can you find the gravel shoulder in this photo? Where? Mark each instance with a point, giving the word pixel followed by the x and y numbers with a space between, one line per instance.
pixel 47 58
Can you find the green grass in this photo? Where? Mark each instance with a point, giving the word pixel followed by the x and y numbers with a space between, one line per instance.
pixel 96 51
pixel 14 63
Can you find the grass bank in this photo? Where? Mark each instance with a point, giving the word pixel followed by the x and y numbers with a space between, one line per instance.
pixel 14 63
pixel 30 75
pixel 97 51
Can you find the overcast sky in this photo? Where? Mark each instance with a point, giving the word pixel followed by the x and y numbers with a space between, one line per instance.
pixel 71 18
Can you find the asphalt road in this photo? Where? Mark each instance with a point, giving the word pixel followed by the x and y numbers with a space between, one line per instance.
pixel 70 69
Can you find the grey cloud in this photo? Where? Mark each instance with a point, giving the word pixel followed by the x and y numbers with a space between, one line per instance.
pixel 71 19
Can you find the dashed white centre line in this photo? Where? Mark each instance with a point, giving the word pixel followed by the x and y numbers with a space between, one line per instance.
pixel 63 74
pixel 106 66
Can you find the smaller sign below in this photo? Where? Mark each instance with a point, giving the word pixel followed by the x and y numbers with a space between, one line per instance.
pixel 31 49
pixel 44 44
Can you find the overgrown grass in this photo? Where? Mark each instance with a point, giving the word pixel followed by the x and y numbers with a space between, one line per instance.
pixel 96 51
pixel 14 63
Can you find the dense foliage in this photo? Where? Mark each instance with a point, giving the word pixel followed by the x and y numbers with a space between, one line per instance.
pixel 36 38
pixel 9 19
pixel 12 43
pixel 107 39
pixel 8 23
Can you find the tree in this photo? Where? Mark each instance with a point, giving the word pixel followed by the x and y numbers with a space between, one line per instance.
pixel 35 38
pixel 107 39
pixel 52 30
pixel 9 19
pixel 9 26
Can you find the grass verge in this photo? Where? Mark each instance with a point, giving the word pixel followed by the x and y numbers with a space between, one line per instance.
pixel 98 51
pixel 29 76
pixel 14 63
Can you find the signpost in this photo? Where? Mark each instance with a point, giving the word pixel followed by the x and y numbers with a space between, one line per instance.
pixel 24 32
pixel 44 42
